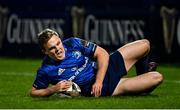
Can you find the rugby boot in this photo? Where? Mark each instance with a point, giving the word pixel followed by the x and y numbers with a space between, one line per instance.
pixel 152 66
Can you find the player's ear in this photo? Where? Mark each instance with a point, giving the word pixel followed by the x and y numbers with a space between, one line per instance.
pixel 44 51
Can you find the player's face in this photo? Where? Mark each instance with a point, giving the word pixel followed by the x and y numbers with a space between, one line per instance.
pixel 54 48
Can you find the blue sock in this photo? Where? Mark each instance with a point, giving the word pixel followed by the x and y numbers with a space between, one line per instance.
pixel 142 65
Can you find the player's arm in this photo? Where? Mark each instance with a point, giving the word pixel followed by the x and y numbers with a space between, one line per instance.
pixel 43 92
pixel 60 86
pixel 102 58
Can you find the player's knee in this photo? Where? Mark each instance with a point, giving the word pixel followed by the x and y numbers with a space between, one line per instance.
pixel 146 44
pixel 158 78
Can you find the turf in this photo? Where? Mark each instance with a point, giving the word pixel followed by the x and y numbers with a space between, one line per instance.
pixel 17 76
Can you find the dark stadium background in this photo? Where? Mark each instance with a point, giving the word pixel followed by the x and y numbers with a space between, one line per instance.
pixel 109 23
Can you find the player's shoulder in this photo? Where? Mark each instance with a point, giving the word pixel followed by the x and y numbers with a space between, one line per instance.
pixel 72 41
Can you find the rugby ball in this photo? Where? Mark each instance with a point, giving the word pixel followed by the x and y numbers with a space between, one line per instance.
pixel 73 91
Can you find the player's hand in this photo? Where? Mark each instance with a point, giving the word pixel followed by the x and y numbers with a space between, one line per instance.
pixel 96 89
pixel 63 85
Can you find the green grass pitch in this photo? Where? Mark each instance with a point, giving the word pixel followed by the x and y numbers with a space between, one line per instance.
pixel 17 76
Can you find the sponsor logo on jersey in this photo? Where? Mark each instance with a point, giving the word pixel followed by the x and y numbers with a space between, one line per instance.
pixel 79 70
pixel 60 71
pixel 74 69
pixel 76 54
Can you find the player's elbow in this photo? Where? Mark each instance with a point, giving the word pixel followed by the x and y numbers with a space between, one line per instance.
pixel 38 93
pixel 33 94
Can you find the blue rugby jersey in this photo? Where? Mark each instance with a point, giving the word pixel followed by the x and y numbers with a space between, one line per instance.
pixel 77 65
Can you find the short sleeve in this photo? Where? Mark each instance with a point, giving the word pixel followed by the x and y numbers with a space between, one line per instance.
pixel 88 48
pixel 41 80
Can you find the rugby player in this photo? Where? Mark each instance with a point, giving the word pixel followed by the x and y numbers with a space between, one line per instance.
pixel 96 72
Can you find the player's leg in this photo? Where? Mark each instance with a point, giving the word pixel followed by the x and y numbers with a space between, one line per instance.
pixel 132 52
pixel 144 83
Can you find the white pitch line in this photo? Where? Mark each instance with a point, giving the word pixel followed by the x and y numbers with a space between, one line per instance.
pixel 33 74
pixel 17 73
pixel 172 81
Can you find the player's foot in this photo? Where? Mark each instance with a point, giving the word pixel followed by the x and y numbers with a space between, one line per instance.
pixel 152 66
